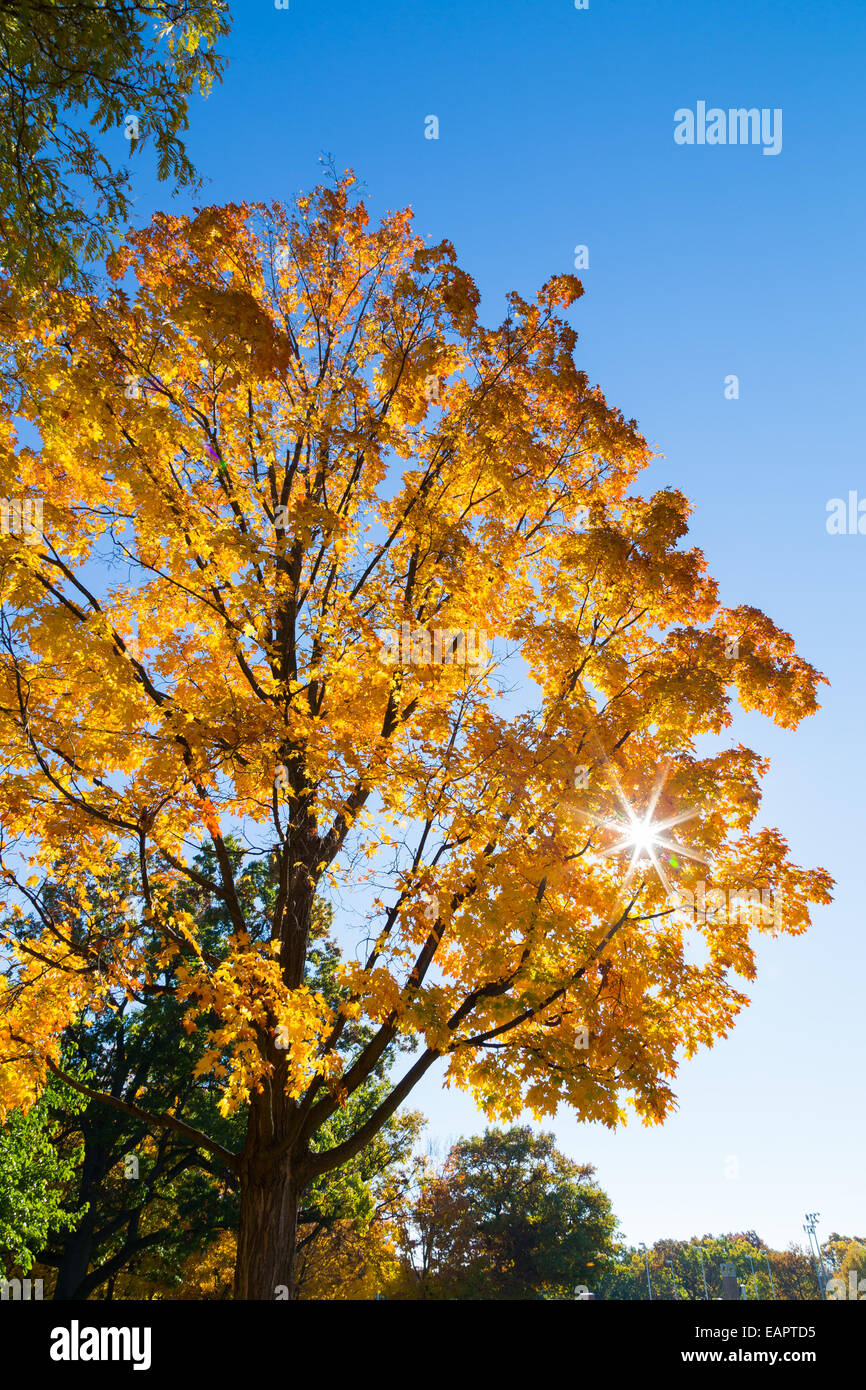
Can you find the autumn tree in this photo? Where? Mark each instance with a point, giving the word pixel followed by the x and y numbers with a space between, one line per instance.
pixel 691 1269
pixel 346 1228
pixel 844 1259
pixel 508 1217
pixel 794 1274
pixel 348 1231
pixel 349 1259
pixel 435 1233
pixel 697 1269
pixel 72 71
pixel 853 1262
pixel 288 479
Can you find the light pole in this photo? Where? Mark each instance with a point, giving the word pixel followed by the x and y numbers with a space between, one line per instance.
pixel 770 1272
pixel 703 1274
pixel 812 1253
pixel 642 1247
pixel 811 1224
pixel 673 1277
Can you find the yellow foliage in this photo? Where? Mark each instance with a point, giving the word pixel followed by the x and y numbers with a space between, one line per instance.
pixel 348 1261
pixel 292 437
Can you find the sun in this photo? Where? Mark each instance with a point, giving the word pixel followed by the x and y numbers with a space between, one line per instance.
pixel 642 835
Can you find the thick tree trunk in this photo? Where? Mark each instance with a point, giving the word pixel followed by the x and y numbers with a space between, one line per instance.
pixel 270 1189
pixel 78 1244
pixel 270 1194
pixel 75 1260
pixel 268 1232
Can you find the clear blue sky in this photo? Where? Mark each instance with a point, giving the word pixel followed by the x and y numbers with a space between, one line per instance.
pixel 556 128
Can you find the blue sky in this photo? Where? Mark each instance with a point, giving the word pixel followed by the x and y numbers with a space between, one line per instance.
pixel 556 129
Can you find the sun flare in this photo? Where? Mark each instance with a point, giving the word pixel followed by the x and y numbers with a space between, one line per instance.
pixel 644 836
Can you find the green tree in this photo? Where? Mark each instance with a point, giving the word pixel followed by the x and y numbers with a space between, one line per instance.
pixel 133 1194
pixel 348 1214
pixel 510 1217
pixel 112 66
pixel 34 1173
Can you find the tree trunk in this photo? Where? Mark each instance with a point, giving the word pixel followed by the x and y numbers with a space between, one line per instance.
pixel 267 1239
pixel 267 1233
pixel 271 1189
pixel 75 1260
pixel 78 1244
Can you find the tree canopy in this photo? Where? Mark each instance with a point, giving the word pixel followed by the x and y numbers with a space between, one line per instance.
pixel 287 479
pixel 509 1217
pixel 691 1270
pixel 71 72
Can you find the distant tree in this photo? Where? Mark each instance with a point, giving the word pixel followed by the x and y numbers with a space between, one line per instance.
pixel 794 1274
pixel 845 1256
pixel 836 1247
pixel 69 64
pixel 349 1261
pixel 346 1236
pixel 510 1217
pixel 437 1231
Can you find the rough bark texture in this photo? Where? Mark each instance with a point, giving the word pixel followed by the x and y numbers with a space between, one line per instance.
pixel 267 1235
pixel 271 1188
pixel 270 1193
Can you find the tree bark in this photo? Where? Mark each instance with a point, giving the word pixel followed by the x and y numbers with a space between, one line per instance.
pixel 77 1247
pixel 267 1232
pixel 270 1196
pixel 75 1260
